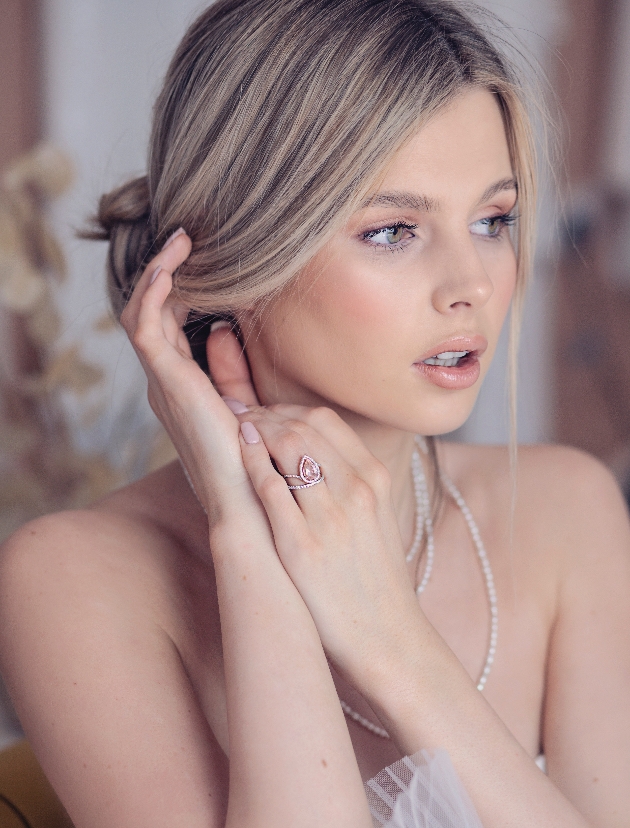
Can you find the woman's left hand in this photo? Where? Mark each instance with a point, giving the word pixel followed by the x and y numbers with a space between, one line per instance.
pixel 339 540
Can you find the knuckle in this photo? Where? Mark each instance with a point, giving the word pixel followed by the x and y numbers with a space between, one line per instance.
pixel 379 477
pixel 277 408
pixel 291 443
pixel 271 486
pixel 363 495
pixel 140 338
pixel 143 337
pixel 321 416
pixel 299 427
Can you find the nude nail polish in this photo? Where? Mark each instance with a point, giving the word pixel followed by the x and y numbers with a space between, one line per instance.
pixel 154 275
pixel 250 433
pixel 235 406
pixel 220 323
pixel 173 236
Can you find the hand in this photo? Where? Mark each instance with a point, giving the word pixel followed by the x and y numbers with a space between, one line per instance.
pixel 338 540
pixel 202 428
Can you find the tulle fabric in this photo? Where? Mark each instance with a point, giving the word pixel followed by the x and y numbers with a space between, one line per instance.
pixel 420 791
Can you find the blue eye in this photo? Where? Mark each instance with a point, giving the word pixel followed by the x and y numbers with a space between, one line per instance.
pixel 389 237
pixel 493 226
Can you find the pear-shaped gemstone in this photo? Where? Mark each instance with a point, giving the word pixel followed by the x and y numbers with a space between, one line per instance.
pixel 309 469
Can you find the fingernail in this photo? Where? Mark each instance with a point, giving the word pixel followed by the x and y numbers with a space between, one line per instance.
pixel 173 236
pixel 250 433
pixel 155 274
pixel 235 406
pixel 220 323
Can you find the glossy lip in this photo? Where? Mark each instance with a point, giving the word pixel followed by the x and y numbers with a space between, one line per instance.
pixel 458 377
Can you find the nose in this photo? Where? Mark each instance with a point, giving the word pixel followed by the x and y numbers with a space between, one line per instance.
pixel 463 282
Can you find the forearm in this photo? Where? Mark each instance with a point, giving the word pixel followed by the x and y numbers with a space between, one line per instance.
pixel 291 759
pixel 425 699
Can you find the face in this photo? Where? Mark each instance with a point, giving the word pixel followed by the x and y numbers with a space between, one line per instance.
pixel 396 319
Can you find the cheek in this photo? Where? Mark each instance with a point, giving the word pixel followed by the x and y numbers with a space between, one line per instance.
pixel 349 309
pixel 350 303
pixel 336 336
pixel 504 280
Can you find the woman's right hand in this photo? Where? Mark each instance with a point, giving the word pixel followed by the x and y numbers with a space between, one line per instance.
pixel 201 426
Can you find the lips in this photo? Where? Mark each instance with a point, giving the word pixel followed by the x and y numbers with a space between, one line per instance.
pixel 454 363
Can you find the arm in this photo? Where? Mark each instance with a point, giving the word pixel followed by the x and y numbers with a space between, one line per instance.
pixel 98 682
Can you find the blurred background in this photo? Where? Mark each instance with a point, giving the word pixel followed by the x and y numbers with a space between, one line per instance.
pixel 77 82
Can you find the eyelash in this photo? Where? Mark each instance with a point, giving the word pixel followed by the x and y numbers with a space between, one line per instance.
pixel 392 248
pixel 505 220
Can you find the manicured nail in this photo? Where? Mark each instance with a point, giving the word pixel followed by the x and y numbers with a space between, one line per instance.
pixel 173 236
pixel 250 433
pixel 235 406
pixel 155 274
pixel 220 323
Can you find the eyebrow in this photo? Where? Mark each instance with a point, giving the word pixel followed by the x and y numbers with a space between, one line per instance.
pixel 413 201
pixel 499 187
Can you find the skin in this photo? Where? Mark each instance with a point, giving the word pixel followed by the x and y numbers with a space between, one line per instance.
pixel 133 632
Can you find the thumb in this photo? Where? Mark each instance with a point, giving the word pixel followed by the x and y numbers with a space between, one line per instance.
pixel 228 365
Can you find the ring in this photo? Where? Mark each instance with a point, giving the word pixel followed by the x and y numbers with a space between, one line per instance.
pixel 309 473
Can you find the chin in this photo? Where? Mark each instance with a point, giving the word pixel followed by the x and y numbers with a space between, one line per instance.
pixel 435 417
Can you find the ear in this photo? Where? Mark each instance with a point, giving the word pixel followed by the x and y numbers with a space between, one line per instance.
pixel 228 365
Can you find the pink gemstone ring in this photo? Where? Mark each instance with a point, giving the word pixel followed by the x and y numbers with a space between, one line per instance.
pixel 309 473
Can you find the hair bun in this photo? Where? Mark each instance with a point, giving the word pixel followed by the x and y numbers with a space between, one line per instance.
pixel 123 219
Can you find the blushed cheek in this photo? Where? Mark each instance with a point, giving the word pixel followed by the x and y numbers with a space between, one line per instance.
pixel 343 333
pixel 352 305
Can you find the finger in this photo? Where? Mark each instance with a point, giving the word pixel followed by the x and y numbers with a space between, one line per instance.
pixel 288 525
pixel 228 365
pixel 173 254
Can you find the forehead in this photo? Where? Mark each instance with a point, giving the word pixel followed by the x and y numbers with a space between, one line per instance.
pixel 461 151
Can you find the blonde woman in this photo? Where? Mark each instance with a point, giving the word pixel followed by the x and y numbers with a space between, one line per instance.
pixel 334 183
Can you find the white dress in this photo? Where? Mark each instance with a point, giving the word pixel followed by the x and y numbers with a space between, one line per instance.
pixel 422 791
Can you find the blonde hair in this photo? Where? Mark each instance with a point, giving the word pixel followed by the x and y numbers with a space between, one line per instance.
pixel 275 120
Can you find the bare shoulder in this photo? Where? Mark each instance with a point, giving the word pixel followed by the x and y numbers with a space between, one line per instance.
pixel 566 502
pixel 131 559
pixel 559 465
pixel 577 501
pixel 541 470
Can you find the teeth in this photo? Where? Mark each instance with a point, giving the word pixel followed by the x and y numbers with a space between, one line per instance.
pixel 447 359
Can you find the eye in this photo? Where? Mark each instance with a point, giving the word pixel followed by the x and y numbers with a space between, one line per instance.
pixel 390 237
pixel 492 227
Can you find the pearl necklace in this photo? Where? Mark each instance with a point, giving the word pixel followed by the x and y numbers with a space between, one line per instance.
pixel 423 519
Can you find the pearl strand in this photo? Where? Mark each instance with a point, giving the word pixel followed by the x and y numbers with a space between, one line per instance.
pixel 423 518
pixel 487 572
pixel 419 527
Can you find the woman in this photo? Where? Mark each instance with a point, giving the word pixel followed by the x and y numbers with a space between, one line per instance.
pixel 346 174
